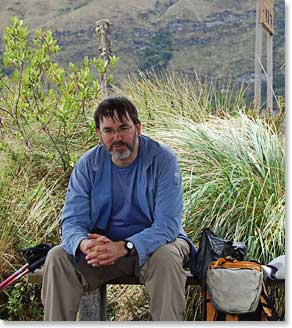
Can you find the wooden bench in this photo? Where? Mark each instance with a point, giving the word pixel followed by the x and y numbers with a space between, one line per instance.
pixel 93 304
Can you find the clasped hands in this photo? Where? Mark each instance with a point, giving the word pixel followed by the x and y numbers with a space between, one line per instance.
pixel 100 250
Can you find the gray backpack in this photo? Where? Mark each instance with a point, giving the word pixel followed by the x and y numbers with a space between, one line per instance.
pixel 234 286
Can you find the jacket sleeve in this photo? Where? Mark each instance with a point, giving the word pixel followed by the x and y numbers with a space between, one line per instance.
pixel 76 211
pixel 167 210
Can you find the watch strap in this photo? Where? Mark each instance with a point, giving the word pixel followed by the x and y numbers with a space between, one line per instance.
pixel 129 250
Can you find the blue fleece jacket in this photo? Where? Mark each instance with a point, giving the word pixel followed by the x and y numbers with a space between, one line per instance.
pixel 88 201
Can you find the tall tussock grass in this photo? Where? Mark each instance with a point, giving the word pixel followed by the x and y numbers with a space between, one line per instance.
pixel 30 201
pixel 233 177
pixel 158 96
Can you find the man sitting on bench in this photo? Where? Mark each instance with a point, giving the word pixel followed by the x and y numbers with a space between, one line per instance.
pixel 122 216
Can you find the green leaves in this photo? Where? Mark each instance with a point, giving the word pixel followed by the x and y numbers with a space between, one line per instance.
pixel 15 41
pixel 103 65
pixel 43 104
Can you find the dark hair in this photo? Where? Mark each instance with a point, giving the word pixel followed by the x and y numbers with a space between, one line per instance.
pixel 121 105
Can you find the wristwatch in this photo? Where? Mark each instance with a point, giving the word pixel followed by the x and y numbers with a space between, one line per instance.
pixel 129 247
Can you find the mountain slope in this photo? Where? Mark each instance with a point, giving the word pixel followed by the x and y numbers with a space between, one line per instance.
pixel 215 38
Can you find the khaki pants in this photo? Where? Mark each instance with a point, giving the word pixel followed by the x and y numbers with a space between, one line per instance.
pixel 163 276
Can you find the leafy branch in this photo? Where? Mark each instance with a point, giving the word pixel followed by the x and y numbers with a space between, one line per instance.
pixel 43 104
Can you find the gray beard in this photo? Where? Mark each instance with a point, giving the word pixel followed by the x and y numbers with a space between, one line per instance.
pixel 122 155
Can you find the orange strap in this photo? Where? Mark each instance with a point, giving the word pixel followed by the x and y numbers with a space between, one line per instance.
pixel 226 263
pixel 231 317
pixel 211 313
pixel 266 312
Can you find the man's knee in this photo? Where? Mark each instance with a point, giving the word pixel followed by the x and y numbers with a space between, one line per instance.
pixel 56 255
pixel 167 256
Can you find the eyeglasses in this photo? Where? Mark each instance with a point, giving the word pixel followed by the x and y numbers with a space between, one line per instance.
pixel 122 131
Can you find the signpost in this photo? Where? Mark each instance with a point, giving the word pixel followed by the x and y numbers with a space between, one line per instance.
pixel 264 22
pixel 104 52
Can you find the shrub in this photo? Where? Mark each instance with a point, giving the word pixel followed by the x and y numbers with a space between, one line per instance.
pixel 42 104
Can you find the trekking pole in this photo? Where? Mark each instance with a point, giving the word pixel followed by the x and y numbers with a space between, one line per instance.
pixel 35 257
pixel 13 277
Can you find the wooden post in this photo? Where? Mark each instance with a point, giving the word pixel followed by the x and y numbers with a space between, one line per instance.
pixel 92 306
pixel 104 51
pixel 270 73
pixel 258 58
pixel 264 22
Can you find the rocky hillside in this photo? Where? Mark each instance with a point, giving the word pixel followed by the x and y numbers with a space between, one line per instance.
pixel 214 38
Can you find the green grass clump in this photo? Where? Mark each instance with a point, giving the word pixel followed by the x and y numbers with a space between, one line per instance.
pixel 233 176
pixel 31 196
pixel 170 94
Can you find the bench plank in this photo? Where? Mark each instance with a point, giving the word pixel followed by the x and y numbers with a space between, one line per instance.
pixel 37 276
pixel 93 304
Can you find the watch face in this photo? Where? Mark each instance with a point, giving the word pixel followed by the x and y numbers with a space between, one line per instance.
pixel 129 245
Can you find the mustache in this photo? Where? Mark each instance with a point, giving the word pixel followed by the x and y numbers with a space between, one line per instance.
pixel 119 143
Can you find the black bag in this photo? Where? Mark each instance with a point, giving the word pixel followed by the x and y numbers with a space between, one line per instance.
pixel 211 248
pixel 33 254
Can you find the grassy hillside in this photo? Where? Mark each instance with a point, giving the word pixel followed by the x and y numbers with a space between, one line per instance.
pixel 215 38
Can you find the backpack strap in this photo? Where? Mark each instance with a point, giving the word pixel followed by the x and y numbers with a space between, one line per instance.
pixel 231 317
pixel 228 262
pixel 211 313
pixel 268 311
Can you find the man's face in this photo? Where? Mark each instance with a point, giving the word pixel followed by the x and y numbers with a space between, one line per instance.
pixel 120 139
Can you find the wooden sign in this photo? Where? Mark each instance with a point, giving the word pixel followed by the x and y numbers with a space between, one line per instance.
pixel 264 20
pixel 266 16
